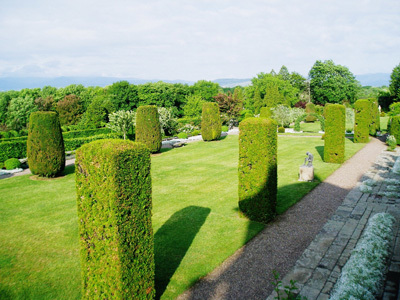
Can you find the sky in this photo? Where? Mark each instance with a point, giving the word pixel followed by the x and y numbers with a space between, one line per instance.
pixel 195 40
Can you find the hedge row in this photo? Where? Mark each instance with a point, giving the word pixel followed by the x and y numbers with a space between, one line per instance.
pixel 17 148
pixel 335 125
pixel 45 146
pixel 85 133
pixel 258 168
pixel 362 120
pixel 114 209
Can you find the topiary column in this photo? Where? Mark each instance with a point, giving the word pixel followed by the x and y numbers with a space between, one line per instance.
pixel 362 120
pixel 258 168
pixel 45 145
pixel 395 128
pixel 210 122
pixel 148 130
pixel 375 124
pixel 335 127
pixel 113 186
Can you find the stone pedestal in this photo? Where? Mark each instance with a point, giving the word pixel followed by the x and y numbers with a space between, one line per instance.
pixel 306 173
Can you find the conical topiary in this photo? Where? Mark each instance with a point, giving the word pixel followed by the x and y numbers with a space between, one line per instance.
pixel 45 145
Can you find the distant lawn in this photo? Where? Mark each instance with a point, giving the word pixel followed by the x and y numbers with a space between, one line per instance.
pixel 195 218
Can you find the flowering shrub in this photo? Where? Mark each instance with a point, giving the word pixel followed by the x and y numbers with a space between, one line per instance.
pixel 362 275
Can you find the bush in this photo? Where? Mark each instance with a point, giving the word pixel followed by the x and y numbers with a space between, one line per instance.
pixel 5 134
pixel 12 163
pixel 12 149
pixel 114 209
pixel 391 142
pixel 195 132
pixel 362 120
pixel 45 145
pixel 281 129
pixel 265 112
pixel 148 129
pixel 224 128
pixel 210 122
pixel 335 124
pixel 310 118
pixel 182 135
pixel 258 168
pixel 310 108
pixel 394 109
pixel 395 128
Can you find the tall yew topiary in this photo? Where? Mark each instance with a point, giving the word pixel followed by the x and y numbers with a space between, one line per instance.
pixel 362 120
pixel 395 128
pixel 210 122
pixel 335 126
pixel 113 184
pixel 148 130
pixel 258 168
pixel 45 145
pixel 375 124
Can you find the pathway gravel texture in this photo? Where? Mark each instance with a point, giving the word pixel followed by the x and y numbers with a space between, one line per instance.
pixel 248 273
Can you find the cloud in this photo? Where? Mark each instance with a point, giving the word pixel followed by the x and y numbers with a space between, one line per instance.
pixel 196 40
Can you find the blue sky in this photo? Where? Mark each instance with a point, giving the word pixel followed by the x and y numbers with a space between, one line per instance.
pixel 194 40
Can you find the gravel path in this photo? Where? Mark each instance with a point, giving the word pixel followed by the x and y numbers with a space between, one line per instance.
pixel 248 273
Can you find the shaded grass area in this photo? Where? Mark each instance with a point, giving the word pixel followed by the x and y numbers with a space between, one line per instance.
pixel 195 218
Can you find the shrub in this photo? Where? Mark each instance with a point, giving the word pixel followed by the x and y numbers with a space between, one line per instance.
pixel 362 120
pixel 281 129
pixel 195 132
pixel 265 112
pixel 258 168
pixel 335 124
pixel 12 163
pixel 224 128
pixel 11 149
pixel 310 118
pixel 45 145
pixel 210 122
pixel 122 122
pixel 114 209
pixel 281 114
pixel 375 123
pixel 148 129
pixel 394 109
pixel 310 108
pixel 182 135
pixel 395 128
pixel 391 142
pixel 69 110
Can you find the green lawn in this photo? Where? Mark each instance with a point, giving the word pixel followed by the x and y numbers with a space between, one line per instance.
pixel 195 218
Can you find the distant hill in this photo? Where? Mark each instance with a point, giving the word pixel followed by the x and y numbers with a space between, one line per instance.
pixel 375 79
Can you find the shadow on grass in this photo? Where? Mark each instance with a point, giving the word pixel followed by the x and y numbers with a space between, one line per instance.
pixel 69 169
pixel 320 150
pixel 172 241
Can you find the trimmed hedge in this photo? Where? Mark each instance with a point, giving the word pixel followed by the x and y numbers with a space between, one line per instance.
pixel 335 126
pixel 258 168
pixel 114 209
pixel 85 133
pixel 265 112
pixel 210 122
pixel 13 139
pixel 362 121
pixel 10 149
pixel 148 130
pixel 45 145
pixel 73 144
pixel 395 128
pixel 375 124
pixel 12 163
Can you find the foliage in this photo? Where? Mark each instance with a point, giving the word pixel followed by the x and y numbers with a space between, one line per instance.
pixel 265 112
pixel 182 135
pixel 114 209
pixel 335 125
pixel 148 130
pixel 210 122
pixel 69 110
pixel 193 106
pixel 45 104
pixel 168 122
pixel 11 149
pixel 363 274
pixel 229 104
pixel 123 95
pixel 72 144
pixel 121 121
pixel 395 128
pixel 258 168
pixel 98 111
pixel 374 125
pixel 289 290
pixel 330 83
pixel 207 90
pixel 366 92
pixel 310 118
pixel 45 145
pixel 224 128
pixel 394 109
pixel 362 120
pixel 394 86
pixel 349 119
pixel 257 102
pixel 19 110
pixel 281 114
pixel 281 129
pixel 391 142
pixel 12 163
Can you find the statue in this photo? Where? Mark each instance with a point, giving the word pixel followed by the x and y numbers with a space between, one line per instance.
pixel 306 171
pixel 308 160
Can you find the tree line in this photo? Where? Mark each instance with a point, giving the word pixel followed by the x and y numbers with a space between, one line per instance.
pixel 91 106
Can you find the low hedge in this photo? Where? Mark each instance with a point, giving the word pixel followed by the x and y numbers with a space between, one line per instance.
pixel 12 149
pixel 114 198
pixel 12 139
pixel 73 144
pixel 85 133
